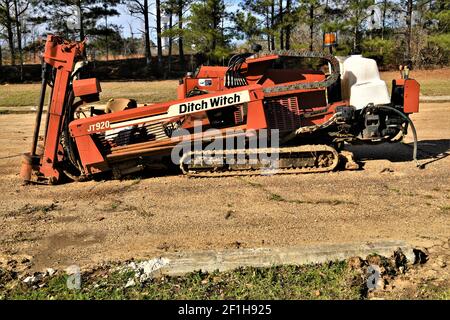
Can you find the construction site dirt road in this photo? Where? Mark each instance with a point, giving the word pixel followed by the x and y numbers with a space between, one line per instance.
pixel 91 222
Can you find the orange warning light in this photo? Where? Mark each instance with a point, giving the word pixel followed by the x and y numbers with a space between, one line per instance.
pixel 330 39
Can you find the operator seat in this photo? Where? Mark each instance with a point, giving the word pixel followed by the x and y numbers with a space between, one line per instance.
pixel 115 105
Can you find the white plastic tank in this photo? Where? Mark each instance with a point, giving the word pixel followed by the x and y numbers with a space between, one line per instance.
pixel 361 83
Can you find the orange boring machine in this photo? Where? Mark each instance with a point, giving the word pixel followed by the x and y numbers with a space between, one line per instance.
pixel 314 110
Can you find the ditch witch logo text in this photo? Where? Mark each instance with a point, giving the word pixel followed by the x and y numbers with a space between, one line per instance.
pixel 210 103
pixel 184 108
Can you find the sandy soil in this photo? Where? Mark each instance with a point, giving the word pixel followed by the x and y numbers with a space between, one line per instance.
pixel 91 222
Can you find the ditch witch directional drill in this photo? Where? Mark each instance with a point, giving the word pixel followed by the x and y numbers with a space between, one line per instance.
pixel 315 102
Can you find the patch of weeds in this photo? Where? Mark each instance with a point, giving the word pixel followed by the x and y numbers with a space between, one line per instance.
pixel 428 196
pixel 119 205
pixel 23 236
pixel 144 212
pixel 276 197
pixel 445 209
pixel 49 208
pixel 388 188
pixel 434 291
pixel 115 205
pixel 252 183
pixel 333 202
pixel 320 281
pixel 128 207
pixel 136 182
pixel 30 209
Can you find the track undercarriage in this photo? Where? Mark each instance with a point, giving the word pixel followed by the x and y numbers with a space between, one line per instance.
pixel 265 161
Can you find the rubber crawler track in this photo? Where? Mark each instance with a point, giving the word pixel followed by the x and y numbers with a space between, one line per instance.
pixel 312 152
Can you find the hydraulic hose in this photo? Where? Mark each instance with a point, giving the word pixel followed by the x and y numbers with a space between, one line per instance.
pixel 413 129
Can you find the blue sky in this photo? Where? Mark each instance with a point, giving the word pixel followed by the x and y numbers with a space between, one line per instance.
pixel 125 19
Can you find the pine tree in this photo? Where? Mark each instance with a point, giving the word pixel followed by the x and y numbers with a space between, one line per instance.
pixel 158 33
pixel 246 25
pixel 20 7
pixel 91 11
pixel 169 8
pixel 357 13
pixel 7 20
pixel 311 15
pixel 206 29
pixel 181 7
pixel 262 14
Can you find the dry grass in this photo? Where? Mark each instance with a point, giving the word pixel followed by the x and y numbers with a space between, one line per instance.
pixel 432 82
pixel 143 91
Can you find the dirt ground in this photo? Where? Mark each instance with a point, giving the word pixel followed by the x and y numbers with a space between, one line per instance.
pixel 92 222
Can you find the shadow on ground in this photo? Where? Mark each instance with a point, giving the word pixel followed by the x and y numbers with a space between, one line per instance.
pixel 432 150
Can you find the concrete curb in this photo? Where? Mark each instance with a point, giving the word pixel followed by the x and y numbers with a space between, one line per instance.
pixel 224 260
pixel 435 99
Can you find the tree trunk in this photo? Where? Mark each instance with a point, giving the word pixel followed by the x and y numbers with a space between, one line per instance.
pixel 272 18
pixel 281 24
pixel 383 19
pixel 222 28
pixel 106 38
pixel 288 27
pixel 82 35
pixel 158 32
pixel 180 37
pixel 19 37
pixel 311 27
pixel 1 56
pixel 409 10
pixel 170 43
pixel 267 27
pixel 148 53
pixel 215 21
pixel 10 32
